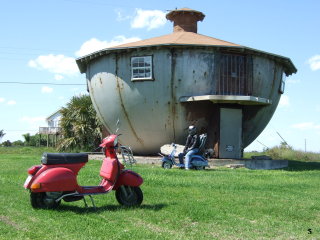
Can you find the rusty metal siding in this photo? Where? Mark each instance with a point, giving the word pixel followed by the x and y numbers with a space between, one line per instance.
pixel 143 107
pixel 193 75
pixel 150 111
pixel 267 76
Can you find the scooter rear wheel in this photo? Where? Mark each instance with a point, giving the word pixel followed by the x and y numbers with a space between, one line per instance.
pixel 129 196
pixel 41 200
pixel 199 167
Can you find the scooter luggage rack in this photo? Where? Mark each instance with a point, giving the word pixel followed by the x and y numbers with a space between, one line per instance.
pixel 127 155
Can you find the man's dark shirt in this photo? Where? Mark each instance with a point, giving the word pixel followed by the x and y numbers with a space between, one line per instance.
pixel 191 143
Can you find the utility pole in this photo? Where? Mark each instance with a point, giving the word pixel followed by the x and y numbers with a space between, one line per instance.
pixel 305 145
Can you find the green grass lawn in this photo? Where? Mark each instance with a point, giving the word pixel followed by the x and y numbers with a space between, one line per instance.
pixel 213 204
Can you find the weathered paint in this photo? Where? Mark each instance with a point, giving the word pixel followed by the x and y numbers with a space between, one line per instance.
pixel 151 113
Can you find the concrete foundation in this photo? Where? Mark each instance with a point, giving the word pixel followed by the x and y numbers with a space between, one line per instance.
pixel 255 164
pixel 266 164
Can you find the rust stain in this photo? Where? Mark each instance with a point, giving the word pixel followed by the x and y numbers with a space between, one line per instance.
pixel 123 107
pixel 274 80
pixel 173 92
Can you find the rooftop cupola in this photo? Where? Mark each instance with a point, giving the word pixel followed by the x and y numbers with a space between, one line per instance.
pixel 185 19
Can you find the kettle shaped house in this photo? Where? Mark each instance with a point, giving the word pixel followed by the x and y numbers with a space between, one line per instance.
pixel 159 86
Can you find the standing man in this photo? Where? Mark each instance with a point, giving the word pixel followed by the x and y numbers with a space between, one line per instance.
pixel 191 147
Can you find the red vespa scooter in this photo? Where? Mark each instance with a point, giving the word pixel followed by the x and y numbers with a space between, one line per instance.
pixel 56 179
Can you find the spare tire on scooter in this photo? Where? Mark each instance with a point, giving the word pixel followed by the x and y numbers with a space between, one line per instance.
pixel 129 196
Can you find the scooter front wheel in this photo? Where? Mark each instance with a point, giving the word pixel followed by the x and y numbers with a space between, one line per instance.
pixel 129 196
pixel 43 200
pixel 166 165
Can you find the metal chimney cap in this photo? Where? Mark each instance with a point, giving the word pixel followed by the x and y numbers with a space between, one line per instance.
pixel 185 19
pixel 171 15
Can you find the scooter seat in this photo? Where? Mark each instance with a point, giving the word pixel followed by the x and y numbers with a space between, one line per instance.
pixel 63 158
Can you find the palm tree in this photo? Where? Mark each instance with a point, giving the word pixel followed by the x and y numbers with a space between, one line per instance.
pixel 2 134
pixel 27 138
pixel 81 128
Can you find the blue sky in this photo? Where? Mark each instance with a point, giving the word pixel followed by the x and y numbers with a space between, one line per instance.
pixel 40 40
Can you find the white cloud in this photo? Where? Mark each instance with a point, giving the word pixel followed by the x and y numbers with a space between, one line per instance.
pixel 314 62
pixel 306 126
pixel 284 101
pixel 149 19
pixel 46 89
pixel 94 44
pixel 58 77
pixel 11 102
pixel 2 100
pixel 58 64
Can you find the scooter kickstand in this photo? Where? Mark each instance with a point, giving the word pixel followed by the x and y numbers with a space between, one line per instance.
pixel 92 202
pixel 85 202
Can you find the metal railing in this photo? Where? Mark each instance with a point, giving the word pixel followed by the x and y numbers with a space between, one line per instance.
pixel 233 75
pixel 49 130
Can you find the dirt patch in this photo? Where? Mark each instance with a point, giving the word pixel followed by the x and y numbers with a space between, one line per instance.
pixel 9 222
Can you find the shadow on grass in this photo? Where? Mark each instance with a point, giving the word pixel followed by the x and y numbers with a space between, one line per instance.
pixel 86 210
pixel 302 166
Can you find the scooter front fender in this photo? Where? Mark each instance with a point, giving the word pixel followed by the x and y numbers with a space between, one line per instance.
pixel 128 178
pixel 55 180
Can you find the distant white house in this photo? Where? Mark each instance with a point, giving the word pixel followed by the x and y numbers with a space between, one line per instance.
pixel 53 124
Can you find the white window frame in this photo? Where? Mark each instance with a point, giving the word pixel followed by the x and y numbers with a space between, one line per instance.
pixel 283 83
pixel 141 68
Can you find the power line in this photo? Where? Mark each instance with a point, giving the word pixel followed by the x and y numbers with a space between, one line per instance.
pixel 47 83
pixel 21 130
pixel 103 3
pixel 19 49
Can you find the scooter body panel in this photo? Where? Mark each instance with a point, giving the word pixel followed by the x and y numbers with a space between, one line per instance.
pixel 55 180
pixel 128 178
pixel 198 161
pixel 109 169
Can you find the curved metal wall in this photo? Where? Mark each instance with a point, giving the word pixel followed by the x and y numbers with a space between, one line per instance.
pixel 150 112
